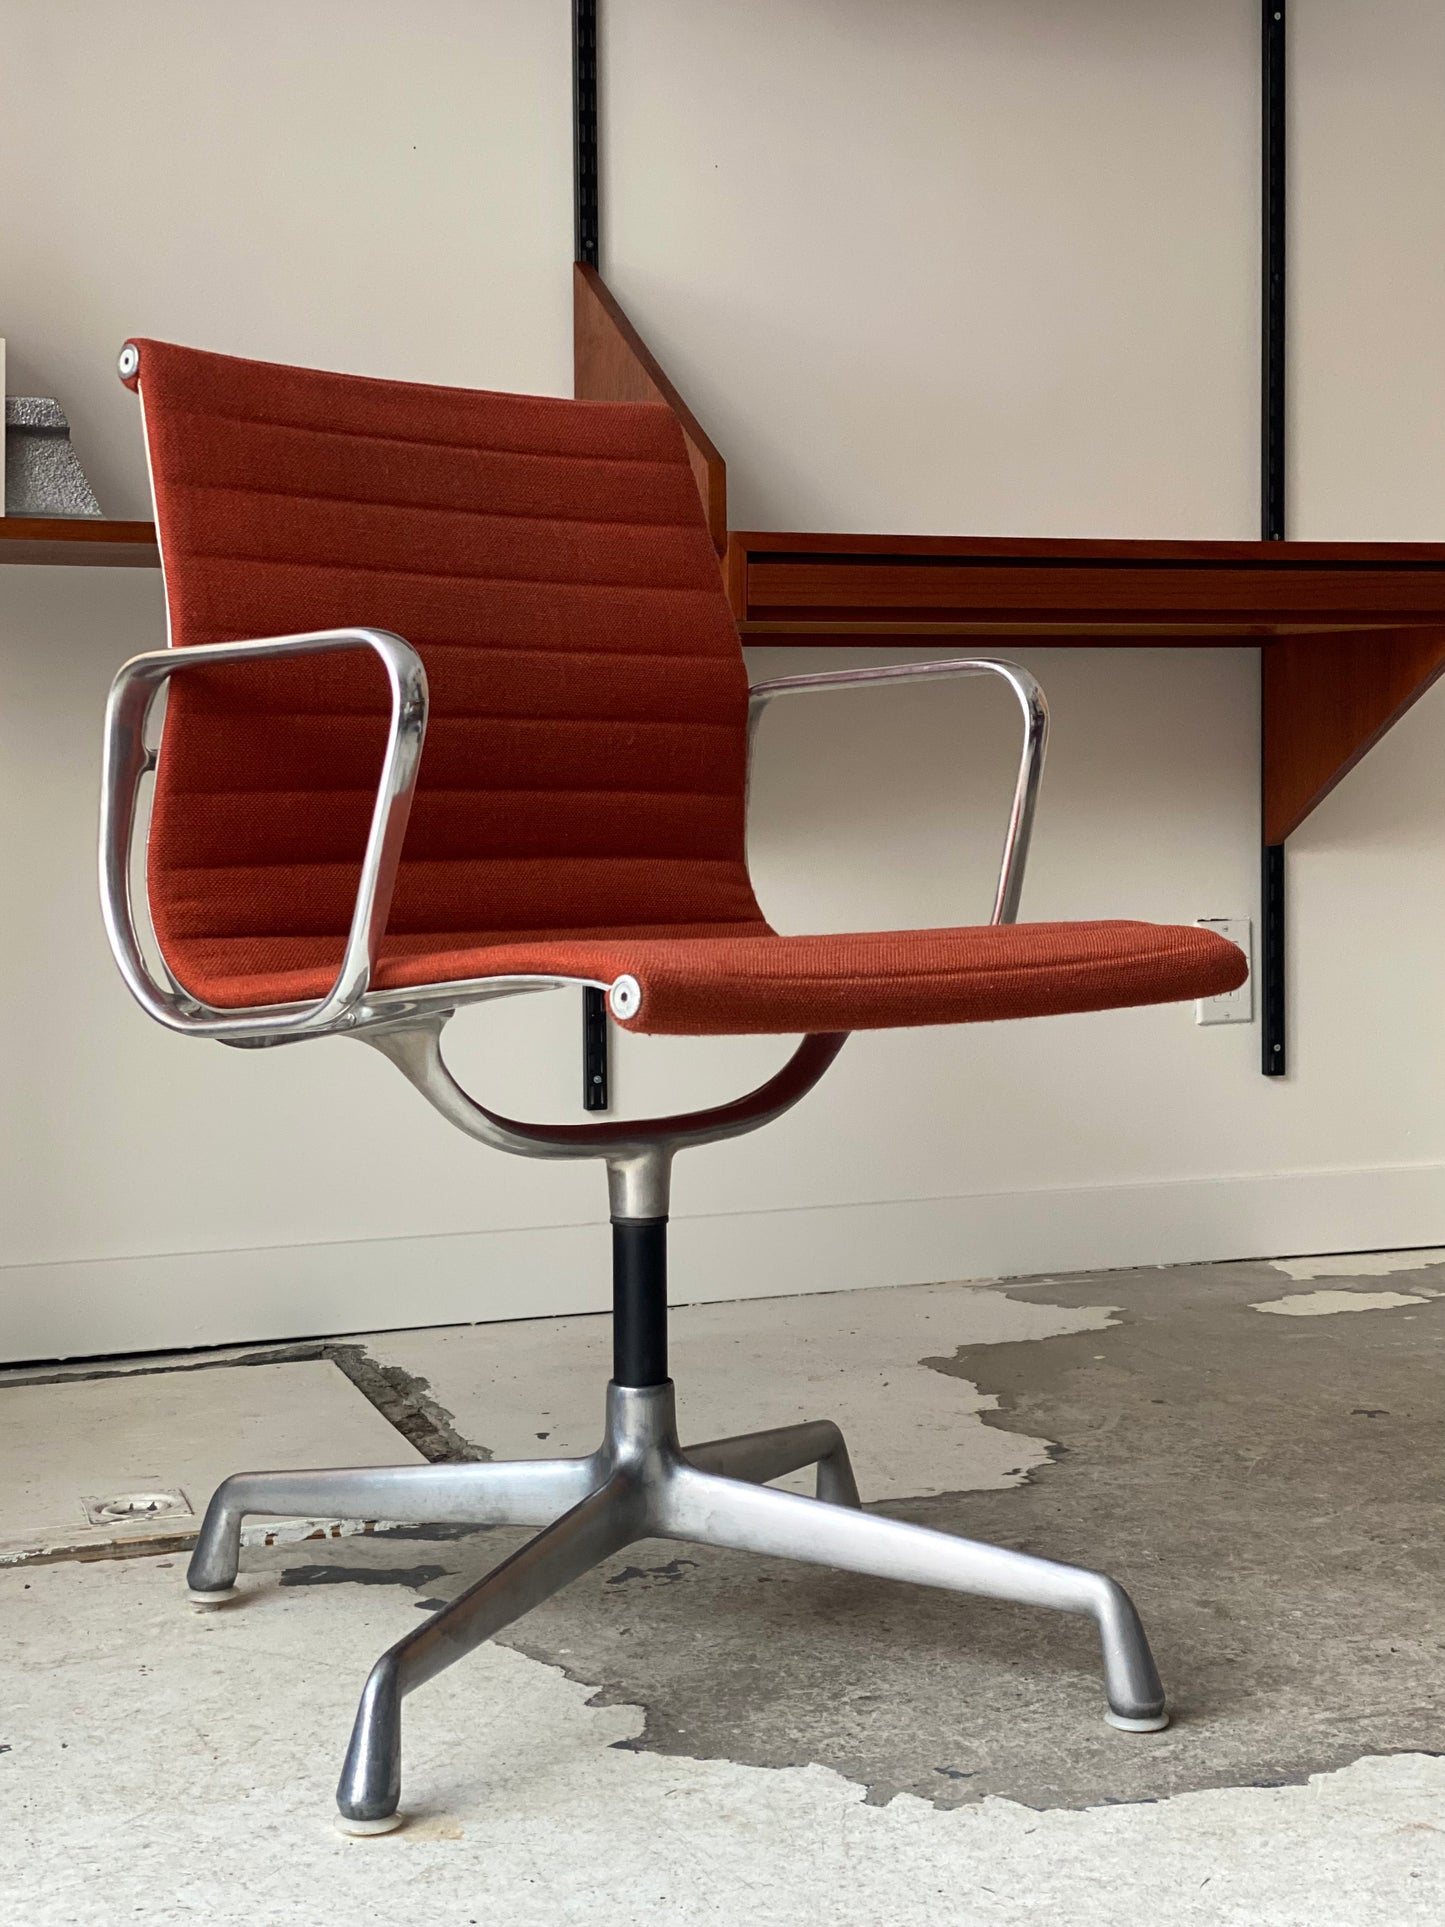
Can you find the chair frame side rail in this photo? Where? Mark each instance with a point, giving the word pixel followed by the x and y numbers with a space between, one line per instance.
pixel 639 1482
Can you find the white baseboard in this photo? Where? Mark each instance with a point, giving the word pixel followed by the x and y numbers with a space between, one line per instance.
pixel 166 1302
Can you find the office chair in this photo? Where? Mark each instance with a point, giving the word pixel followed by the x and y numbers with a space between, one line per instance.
pixel 526 585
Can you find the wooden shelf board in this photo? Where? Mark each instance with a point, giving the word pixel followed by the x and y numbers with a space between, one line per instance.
pixel 78 541
pixel 1351 632
pixel 1079 590
pixel 911 632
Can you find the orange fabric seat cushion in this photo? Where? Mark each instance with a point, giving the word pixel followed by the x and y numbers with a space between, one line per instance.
pixel 757 982
pixel 581 801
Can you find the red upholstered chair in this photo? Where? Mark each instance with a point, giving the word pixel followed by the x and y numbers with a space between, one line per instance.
pixel 493 738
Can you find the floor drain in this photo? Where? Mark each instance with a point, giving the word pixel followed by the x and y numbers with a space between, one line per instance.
pixel 137 1508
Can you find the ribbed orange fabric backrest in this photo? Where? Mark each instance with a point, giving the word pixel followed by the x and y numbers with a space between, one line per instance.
pixel 585 754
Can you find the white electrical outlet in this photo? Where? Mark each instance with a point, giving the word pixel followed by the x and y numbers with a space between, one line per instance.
pixel 1234 1006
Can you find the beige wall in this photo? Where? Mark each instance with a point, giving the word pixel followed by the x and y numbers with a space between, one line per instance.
pixel 921 266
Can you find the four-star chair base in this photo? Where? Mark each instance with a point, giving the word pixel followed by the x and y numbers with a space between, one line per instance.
pixel 641 1484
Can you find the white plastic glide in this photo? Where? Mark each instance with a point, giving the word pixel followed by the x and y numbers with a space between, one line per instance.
pixel 205 1602
pixel 364 1829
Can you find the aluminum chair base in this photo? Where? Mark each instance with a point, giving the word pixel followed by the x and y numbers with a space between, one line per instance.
pixel 641 1484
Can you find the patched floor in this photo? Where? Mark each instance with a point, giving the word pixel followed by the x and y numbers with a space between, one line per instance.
pixel 91 1465
pixel 723 1739
pixel 860 1357
pixel 1268 1489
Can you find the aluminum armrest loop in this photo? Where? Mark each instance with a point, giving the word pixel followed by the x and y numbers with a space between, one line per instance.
pixel 1031 762
pixel 127 761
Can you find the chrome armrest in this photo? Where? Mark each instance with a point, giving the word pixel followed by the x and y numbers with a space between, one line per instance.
pixel 1031 763
pixel 128 759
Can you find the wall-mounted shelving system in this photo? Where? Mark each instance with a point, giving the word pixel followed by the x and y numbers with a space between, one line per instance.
pixel 1349 634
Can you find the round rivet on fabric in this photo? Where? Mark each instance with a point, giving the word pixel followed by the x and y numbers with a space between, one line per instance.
pixel 128 362
pixel 625 997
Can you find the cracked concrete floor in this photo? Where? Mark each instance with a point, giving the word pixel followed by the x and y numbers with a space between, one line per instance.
pixel 1268 1488
pixel 728 1739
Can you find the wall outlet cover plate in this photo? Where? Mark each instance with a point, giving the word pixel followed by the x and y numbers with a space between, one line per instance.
pixel 1235 1006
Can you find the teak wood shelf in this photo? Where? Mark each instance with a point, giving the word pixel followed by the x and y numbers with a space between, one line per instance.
pixel 1351 632
pixel 78 541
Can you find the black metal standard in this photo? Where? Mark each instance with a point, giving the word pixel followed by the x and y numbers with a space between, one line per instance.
pixel 1272 479
pixel 1271 942
pixel 594 1051
pixel 1272 267
pixel 639 1301
pixel 586 206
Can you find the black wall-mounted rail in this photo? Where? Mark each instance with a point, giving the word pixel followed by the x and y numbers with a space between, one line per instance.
pixel 586 234
pixel 1272 1007
pixel 594 1051
pixel 1272 271
pixel 586 240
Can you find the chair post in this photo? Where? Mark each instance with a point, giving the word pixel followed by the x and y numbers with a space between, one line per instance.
pixel 639 1301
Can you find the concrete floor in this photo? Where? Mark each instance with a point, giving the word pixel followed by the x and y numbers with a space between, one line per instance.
pixel 729 1740
pixel 80 1453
